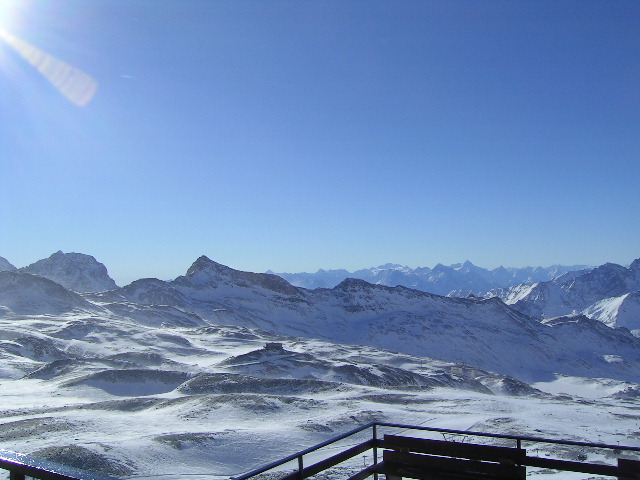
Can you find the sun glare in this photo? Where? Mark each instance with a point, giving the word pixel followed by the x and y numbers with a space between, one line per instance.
pixel 73 83
pixel 7 12
pixel 77 86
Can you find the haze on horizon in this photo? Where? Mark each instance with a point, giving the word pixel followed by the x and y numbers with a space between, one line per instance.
pixel 294 136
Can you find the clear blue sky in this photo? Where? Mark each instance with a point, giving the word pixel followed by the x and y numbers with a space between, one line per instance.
pixel 297 135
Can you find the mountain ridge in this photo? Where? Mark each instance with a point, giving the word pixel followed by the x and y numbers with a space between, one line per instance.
pixel 483 332
pixel 573 293
pixel 455 280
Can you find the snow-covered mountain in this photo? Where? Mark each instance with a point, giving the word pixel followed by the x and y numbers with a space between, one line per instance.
pixel 573 293
pixel 481 332
pixel 75 271
pixel 220 370
pixel 5 266
pixel 622 311
pixel 454 280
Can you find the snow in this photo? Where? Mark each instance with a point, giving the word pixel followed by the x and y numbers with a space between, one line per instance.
pixel 580 291
pixel 142 389
pixel 143 417
pixel 622 311
pixel 588 388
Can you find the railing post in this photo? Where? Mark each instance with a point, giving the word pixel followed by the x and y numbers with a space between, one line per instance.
pixel 375 450
pixel 518 444
pixel 300 468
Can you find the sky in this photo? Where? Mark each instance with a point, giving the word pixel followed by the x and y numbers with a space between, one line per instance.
pixel 297 135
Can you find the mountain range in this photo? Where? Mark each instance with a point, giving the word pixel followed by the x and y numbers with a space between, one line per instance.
pixel 455 280
pixel 220 370
pixel 488 333
pixel 602 293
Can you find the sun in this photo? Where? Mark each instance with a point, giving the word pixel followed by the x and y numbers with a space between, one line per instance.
pixel 8 9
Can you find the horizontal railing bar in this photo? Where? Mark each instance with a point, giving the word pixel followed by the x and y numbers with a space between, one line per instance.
pixel 566 465
pixel 303 452
pixel 511 437
pixel 331 461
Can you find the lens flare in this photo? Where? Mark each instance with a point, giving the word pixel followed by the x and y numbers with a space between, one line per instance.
pixel 72 82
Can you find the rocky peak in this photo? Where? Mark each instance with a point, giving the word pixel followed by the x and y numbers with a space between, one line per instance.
pixel 74 271
pixel 608 280
pixel 441 269
pixel 204 263
pixel 206 272
pixel 5 266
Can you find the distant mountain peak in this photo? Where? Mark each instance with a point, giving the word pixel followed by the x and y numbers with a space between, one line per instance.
pixel 206 272
pixel 390 266
pixel 441 268
pixel 204 263
pixel 5 265
pixel 353 284
pixel 74 271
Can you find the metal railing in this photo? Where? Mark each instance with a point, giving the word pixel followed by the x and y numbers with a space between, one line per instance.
pixel 20 466
pixel 375 443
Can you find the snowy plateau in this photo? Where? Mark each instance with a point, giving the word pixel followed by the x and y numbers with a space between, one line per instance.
pixel 219 371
